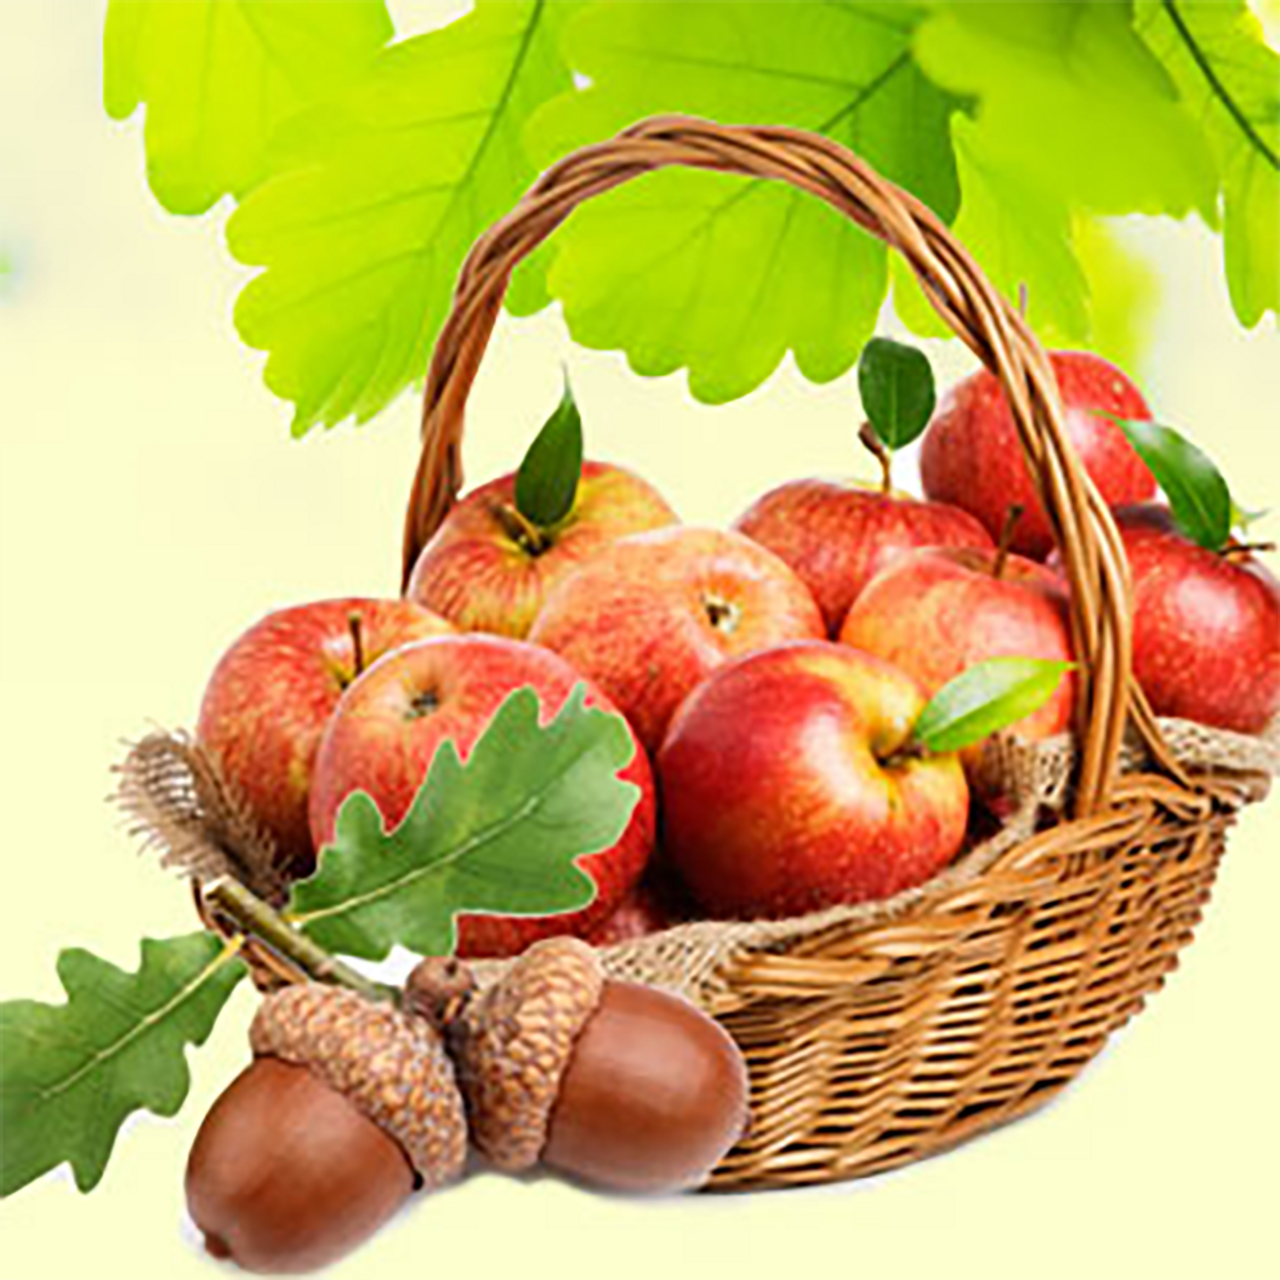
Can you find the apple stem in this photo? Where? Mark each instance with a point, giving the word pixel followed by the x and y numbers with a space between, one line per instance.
pixel 882 454
pixel 520 529
pixel 1011 519
pixel 1238 550
pixel 258 919
pixel 357 642
pixel 912 749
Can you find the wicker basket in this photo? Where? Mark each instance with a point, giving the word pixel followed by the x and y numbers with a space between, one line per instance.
pixel 880 1037
pixel 879 1033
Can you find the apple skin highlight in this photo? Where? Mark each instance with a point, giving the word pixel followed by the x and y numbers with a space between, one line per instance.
pixel 781 792
pixel 267 703
pixel 837 535
pixel 972 457
pixel 482 574
pixel 653 615
pixel 1206 626
pixel 935 613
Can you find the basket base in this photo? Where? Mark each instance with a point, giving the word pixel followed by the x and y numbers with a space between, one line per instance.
pixel 947 1044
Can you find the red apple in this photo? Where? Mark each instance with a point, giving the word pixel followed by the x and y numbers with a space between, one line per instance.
pixel 487 569
pixel 972 458
pixel 390 723
pixel 935 613
pixel 1206 625
pixel 783 793
pixel 653 615
pixel 837 535
pixel 642 912
pixel 272 693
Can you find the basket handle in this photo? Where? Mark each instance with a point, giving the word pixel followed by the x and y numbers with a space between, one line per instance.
pixel 1093 557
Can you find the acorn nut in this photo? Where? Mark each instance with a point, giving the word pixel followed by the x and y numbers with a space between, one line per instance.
pixel 612 1083
pixel 347 1105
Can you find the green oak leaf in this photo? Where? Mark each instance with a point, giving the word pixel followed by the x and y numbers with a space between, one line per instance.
pixel 500 833
pixel 1230 79
pixel 1073 101
pixel 547 481
pixel 1020 231
pixel 718 274
pixel 1198 494
pixel 70 1074
pixel 382 194
pixel 986 698
pixel 218 77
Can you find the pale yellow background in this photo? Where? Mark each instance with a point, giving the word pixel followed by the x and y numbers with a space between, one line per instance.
pixel 152 504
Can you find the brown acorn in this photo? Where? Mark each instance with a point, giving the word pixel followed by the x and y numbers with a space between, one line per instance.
pixel 346 1107
pixel 612 1083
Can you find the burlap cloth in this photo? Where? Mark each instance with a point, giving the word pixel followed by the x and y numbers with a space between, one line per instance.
pixel 180 808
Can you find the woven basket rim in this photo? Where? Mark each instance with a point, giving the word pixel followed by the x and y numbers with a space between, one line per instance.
pixel 175 798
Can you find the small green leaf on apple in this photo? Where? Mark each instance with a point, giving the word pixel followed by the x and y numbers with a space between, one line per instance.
pixel 989 696
pixel 896 384
pixel 547 481
pixel 1198 495
pixel 499 834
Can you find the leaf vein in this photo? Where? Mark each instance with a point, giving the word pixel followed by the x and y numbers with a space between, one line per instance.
pixel 156 1016
pixel 1216 86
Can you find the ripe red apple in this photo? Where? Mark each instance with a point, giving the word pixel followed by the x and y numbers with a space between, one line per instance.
pixel 1206 625
pixel 837 535
pixel 272 693
pixel 488 569
pixel 972 458
pixel 642 912
pixel 935 613
pixel 650 617
pixel 782 789
pixel 390 723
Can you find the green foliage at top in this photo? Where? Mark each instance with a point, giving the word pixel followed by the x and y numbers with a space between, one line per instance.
pixel 499 834
pixel 987 697
pixel 1230 80
pixel 1022 232
pixel 368 175
pixel 1069 96
pixel 219 77
pixel 547 481
pixel 723 275
pixel 386 187
pixel 70 1074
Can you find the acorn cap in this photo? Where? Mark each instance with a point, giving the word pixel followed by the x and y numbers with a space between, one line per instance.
pixel 391 1066
pixel 512 1046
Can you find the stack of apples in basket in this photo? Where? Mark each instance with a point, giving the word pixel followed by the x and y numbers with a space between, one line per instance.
pixel 807 691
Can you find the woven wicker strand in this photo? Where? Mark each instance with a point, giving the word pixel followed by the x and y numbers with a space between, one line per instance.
pixel 1093 558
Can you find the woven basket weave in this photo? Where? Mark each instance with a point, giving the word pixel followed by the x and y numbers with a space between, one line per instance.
pixel 880 1033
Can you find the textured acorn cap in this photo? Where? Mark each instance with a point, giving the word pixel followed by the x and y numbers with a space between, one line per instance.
pixel 391 1066
pixel 512 1046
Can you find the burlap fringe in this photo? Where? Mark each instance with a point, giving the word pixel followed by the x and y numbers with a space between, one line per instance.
pixel 178 805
